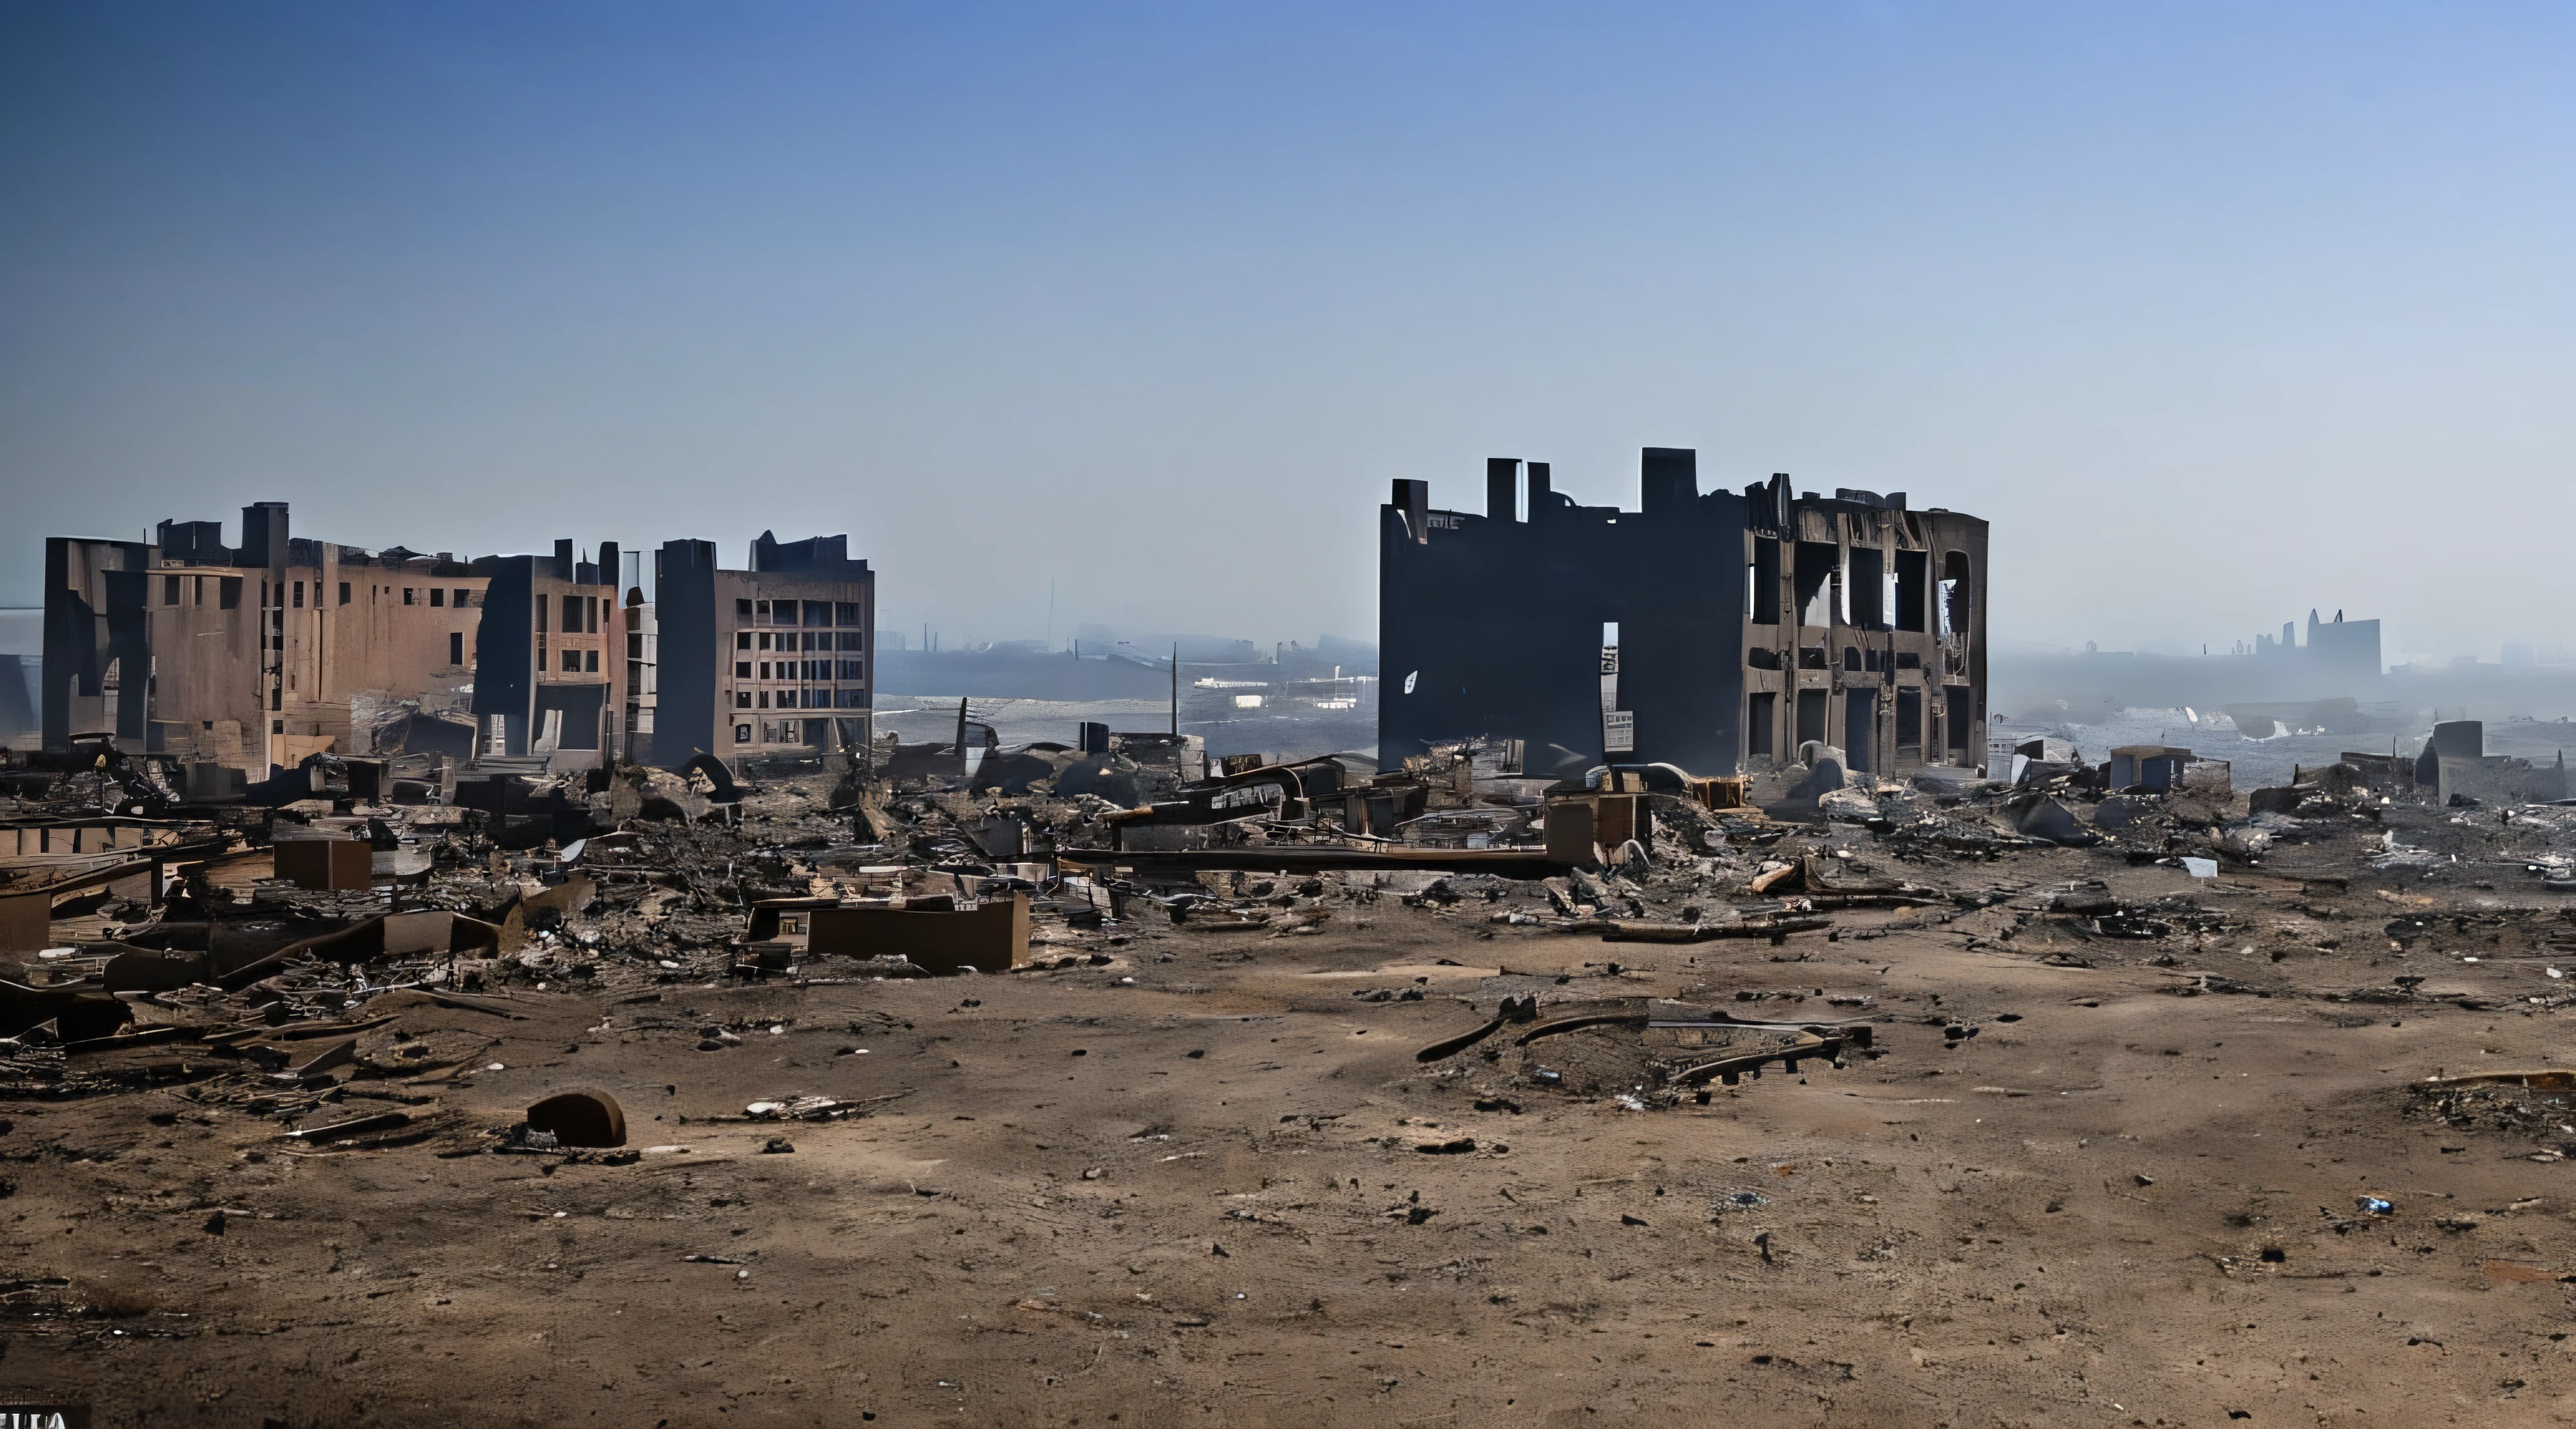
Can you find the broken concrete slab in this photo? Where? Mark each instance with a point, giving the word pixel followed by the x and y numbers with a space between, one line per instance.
pixel 992 938
pixel 2040 816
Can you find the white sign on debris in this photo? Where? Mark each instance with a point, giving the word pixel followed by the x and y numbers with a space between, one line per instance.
pixel 1999 756
pixel 1618 731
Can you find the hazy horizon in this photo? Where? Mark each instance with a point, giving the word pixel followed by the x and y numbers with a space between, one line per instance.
pixel 2217 313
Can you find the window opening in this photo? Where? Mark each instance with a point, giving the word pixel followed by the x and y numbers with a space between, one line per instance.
pixel 1762 594
pixel 1860 730
pixel 1911 569
pixel 1813 575
pixel 1867 586
pixel 1811 716
pixel 1957 599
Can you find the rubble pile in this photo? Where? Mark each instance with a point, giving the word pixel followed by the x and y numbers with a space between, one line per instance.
pixel 515 882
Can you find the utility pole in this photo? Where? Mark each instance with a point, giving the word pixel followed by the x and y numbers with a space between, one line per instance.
pixel 1176 691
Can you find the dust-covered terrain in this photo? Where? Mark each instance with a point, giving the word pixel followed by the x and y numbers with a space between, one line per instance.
pixel 2126 1146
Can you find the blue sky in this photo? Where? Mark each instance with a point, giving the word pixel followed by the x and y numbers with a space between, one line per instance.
pixel 2218 312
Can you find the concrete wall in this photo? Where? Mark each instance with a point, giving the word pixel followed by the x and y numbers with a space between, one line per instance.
pixel 207 701
pixel 684 605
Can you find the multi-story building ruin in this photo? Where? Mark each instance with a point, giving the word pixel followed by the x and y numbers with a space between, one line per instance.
pixel 551 676
pixel 1716 631
pixel 771 660
pixel 258 655
pixel 643 648
pixel 248 656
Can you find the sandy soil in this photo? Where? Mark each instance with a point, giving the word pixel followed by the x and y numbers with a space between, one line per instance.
pixel 1185 1187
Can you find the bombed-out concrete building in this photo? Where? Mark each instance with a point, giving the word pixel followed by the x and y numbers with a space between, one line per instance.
pixel 551 676
pixel 257 655
pixel 1714 630
pixel 246 656
pixel 261 654
pixel 643 663
pixel 771 660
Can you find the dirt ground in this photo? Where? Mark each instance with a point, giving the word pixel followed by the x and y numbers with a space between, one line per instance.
pixel 1189 1186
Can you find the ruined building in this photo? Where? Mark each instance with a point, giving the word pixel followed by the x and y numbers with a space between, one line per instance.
pixel 772 660
pixel 246 656
pixel 2340 657
pixel 1716 631
pixel 643 661
pixel 258 655
pixel 551 674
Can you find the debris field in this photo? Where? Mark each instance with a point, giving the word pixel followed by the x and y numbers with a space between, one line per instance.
pixel 1873 1107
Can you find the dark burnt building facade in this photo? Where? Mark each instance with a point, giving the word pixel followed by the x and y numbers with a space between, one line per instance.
pixel 1716 630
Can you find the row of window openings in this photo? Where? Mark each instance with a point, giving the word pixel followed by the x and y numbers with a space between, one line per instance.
pixel 801 669
pixel 1950 718
pixel 191 590
pixel 808 640
pixel 580 614
pixel 787 612
pixel 793 731
pixel 276 639
pixel 1828 589
pixel 808 699
pixel 1855 659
